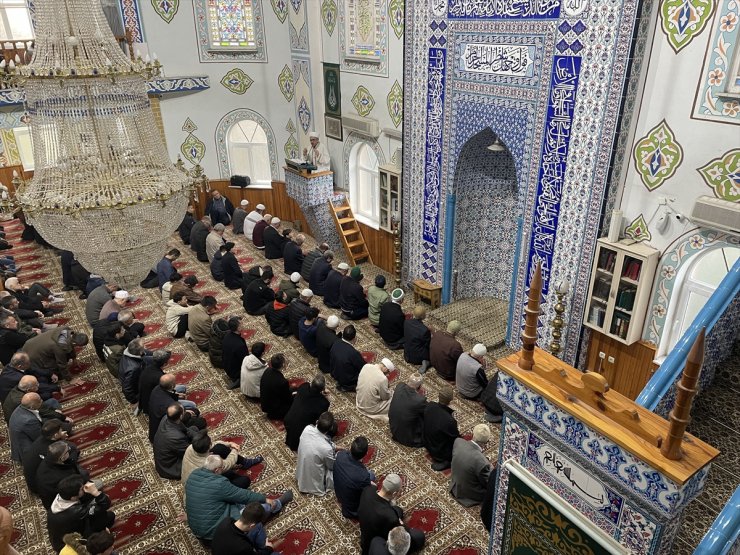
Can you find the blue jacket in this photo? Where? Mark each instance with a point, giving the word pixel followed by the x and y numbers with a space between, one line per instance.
pixel 164 271
pixel 350 478
pixel 209 498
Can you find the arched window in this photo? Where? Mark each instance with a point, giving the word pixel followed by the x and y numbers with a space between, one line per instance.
pixel 249 153
pixel 363 184
pixel 694 285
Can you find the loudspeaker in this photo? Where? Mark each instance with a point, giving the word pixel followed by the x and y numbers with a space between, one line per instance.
pixel 240 181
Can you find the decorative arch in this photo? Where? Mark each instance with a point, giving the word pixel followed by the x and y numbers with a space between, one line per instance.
pixel 222 130
pixel 349 143
pixel 674 259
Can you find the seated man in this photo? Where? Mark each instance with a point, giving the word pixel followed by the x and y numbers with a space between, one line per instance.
pixel 470 467
pixel 351 476
pixel 258 233
pixel 392 320
pixel 24 426
pixel 471 378
pixel 290 286
pixel 171 441
pixel 378 514
pixel 54 350
pixel 238 217
pixel 277 315
pixel 440 429
pixel 202 446
pixel 209 496
pixel 214 240
pixel 186 226
pixel 129 371
pixel 251 220
pixel 298 309
pixel 345 361
pixel 115 305
pixel 307 327
pixel 200 322
pixel 326 336
pixel 293 254
pixel 445 349
pixel 51 432
pixel 310 258
pixel 233 275
pixel 78 507
pixel 165 269
pixel 176 317
pixel 319 272
pixel 235 350
pixel 373 397
pixel 97 298
pixel 198 235
pixel 216 265
pixel 333 283
pixel 56 466
pixel 20 366
pixel 187 286
pixel 258 294
pixel 416 338
pixel 352 297
pixel 49 410
pixel 377 296
pixel 243 536
pixel 153 370
pixel 398 543
pixel 309 403
pixel 275 239
pixel 164 395
pixel 406 412
pixel 253 367
pixel 275 393
pixel 11 340
pixel 316 454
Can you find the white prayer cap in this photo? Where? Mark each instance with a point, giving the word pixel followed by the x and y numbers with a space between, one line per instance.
pixel 307 293
pixel 480 350
pixel 275 221
pixel 343 266
pixel 332 322
pixel 397 295
pixel 244 202
pixel 392 483
pixel 121 294
pixel 388 364
pixel 260 206
pixel 295 277
pixel 313 135
pixel 482 433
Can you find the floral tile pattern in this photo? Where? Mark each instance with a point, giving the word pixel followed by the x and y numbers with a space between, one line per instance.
pixel 709 103
pixel 396 16
pixel 290 126
pixel 189 126
pixel 237 81
pixel 280 7
pixel 304 115
pixel 395 103
pixel 193 149
pixel 291 147
pixel 682 20
pixel 638 230
pixel 329 15
pixel 166 9
pixel 286 83
pixel 723 175
pixel 363 101
pixel 657 156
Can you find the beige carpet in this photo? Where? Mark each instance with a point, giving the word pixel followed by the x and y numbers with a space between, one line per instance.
pixel 483 319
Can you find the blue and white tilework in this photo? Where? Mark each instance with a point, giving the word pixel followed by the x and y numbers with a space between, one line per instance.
pixel 594 33
pixel 222 130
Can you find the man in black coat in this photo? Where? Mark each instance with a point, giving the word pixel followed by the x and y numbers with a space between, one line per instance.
pixel 378 515
pixel 406 413
pixel 275 394
pixel 440 429
pixel 219 208
pixel 11 340
pixel 310 258
pixel 326 336
pixel 56 466
pixel 333 283
pixel 87 513
pixel 198 235
pixel 150 376
pixel 235 350
pixel 217 263
pixel 298 309
pixel 275 239
pixel 171 441
pixel 392 320
pixel 277 315
pixel 352 297
pixel 163 396
pixel 416 338
pixel 345 361
pixel 293 254
pixel 320 269
pixel 309 403
pixel 233 275
pixel 186 226
pixel 258 294
pixel 51 432
pixel 19 366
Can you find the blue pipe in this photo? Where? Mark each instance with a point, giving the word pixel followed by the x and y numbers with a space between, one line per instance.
pixel 724 531
pixel 449 236
pixel 514 272
pixel 673 364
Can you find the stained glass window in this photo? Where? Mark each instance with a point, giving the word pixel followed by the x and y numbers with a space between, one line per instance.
pixel 363 29
pixel 231 24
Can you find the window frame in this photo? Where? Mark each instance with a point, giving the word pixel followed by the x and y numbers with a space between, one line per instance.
pixel 15 4
pixel 250 147
pixel 234 48
pixel 358 173
pixel 350 45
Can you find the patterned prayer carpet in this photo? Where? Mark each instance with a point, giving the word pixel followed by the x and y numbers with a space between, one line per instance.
pixel 115 448
pixel 483 319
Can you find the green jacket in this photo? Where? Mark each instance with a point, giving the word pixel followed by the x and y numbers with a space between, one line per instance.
pixel 376 297
pixel 209 498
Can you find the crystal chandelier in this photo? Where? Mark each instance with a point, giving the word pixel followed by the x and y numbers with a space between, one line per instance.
pixel 103 185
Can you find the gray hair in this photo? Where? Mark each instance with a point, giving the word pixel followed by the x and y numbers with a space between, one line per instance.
pixel 319 381
pixel 56 450
pixel 20 357
pixel 136 348
pixel 329 255
pixel 126 316
pixel 5 318
pixel 299 239
pixel 399 541
pixel 161 356
pixel 213 463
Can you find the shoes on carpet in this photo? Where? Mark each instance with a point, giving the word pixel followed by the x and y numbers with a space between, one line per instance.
pixel 82 296
pixel 343 316
pixel 137 410
pixel 424 367
pixel 286 497
pixel 440 466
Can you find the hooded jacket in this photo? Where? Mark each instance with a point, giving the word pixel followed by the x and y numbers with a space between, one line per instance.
pixel 172 317
pixel 216 342
pixel 251 375
pixel 278 317
pixel 129 371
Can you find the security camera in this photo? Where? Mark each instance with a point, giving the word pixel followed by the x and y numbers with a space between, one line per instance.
pixel 679 217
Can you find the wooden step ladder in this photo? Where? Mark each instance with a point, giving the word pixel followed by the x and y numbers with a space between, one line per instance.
pixel 349 232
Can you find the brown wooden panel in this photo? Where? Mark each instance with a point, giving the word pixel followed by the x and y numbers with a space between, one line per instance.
pixel 380 246
pixel 632 367
pixel 6 176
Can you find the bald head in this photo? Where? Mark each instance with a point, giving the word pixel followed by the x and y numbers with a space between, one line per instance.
pixel 167 381
pixel 31 401
pixel 20 361
pixel 28 383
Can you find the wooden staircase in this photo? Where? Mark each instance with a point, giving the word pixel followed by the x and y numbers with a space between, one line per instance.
pixel 349 232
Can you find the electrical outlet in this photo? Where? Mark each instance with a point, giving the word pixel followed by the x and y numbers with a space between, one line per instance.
pixel 610 360
pixel 602 355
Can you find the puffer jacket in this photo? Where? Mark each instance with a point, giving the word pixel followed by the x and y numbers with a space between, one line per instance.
pixel 216 346
pixel 252 370
pixel 278 317
pixel 129 371
pixel 209 498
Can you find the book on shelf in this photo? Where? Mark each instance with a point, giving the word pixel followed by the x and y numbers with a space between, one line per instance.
pixel 597 315
pixel 607 259
pixel 602 286
pixel 620 325
pixel 632 270
pixel 626 298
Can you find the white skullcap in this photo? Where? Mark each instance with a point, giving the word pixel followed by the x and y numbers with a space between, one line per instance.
pixel 121 294
pixel 332 322
pixel 397 295
pixel 295 277
pixel 244 202
pixel 480 350
pixel 343 266
pixel 307 293
pixel 392 483
pixel 11 282
pixel 313 135
pixel 388 364
pixel 260 207
pixel 274 221
pixel 482 433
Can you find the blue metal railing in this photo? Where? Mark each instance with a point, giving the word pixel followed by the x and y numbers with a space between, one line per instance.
pixel 673 364
pixel 725 530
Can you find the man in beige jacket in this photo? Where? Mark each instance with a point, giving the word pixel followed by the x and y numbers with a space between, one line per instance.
pixel 373 392
pixel 202 446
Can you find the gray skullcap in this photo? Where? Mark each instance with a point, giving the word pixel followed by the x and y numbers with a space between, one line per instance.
pixel 219 227
pixel 392 483
pixel 397 294
pixel 454 327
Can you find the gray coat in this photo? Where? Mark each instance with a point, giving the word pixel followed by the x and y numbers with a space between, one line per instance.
pixel 470 472
pixel 25 428
pixel 170 443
